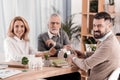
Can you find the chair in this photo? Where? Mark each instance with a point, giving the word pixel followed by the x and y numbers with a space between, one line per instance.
pixel 115 75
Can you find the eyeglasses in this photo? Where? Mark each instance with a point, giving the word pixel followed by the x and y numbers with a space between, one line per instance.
pixel 54 23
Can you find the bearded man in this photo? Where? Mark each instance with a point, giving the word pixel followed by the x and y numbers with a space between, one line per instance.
pixel 106 58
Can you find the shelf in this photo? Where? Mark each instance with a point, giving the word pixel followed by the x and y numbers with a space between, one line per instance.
pixel 87 20
pixel 89 13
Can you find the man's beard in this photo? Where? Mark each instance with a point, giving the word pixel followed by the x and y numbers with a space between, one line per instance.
pixel 98 34
pixel 55 32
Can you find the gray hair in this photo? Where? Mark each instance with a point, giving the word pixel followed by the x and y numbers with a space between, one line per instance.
pixel 55 15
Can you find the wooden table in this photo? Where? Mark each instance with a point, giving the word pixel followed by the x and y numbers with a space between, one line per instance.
pixel 38 74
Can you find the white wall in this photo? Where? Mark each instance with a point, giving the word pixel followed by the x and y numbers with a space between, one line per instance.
pixel 76 7
pixel 117 17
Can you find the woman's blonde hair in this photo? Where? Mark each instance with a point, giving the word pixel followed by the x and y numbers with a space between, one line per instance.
pixel 11 28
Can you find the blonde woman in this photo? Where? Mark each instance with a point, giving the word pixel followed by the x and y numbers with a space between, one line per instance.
pixel 17 42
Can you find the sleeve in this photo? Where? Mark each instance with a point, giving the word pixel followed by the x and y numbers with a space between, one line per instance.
pixel 41 44
pixel 32 51
pixel 98 57
pixel 65 39
pixel 88 54
pixel 58 45
pixel 10 51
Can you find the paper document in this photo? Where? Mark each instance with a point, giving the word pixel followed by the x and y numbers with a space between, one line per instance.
pixel 3 66
pixel 4 73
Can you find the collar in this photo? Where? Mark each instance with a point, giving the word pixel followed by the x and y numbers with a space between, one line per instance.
pixel 106 36
pixel 51 35
pixel 17 39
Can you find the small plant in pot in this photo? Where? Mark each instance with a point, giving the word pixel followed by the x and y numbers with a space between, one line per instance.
pixel 90 44
pixel 25 61
pixel 47 62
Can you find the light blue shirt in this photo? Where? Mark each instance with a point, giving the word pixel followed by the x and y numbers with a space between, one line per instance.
pixel 105 37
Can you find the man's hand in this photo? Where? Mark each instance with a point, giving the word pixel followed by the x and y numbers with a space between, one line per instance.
pixel 50 43
pixel 80 54
pixel 68 46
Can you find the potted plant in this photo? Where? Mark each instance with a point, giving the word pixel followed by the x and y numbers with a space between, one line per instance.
pixel 111 6
pixel 47 62
pixel 90 44
pixel 72 29
pixel 25 61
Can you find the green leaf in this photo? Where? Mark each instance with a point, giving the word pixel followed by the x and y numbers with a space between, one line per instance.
pixel 46 56
pixel 25 60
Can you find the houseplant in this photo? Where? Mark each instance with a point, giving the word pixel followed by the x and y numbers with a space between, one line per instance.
pixel 47 62
pixel 72 29
pixel 111 6
pixel 25 60
pixel 90 44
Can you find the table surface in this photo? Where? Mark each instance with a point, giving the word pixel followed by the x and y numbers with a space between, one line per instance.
pixel 35 74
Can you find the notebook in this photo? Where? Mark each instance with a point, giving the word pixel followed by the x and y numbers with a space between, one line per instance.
pixel 60 63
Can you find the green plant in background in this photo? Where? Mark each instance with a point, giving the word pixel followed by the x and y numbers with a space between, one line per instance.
pixel 93 47
pixel 72 29
pixel 90 40
pixel 25 60
pixel 111 2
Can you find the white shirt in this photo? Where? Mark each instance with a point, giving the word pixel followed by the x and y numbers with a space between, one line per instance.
pixel 15 49
pixel 105 37
pixel 51 35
